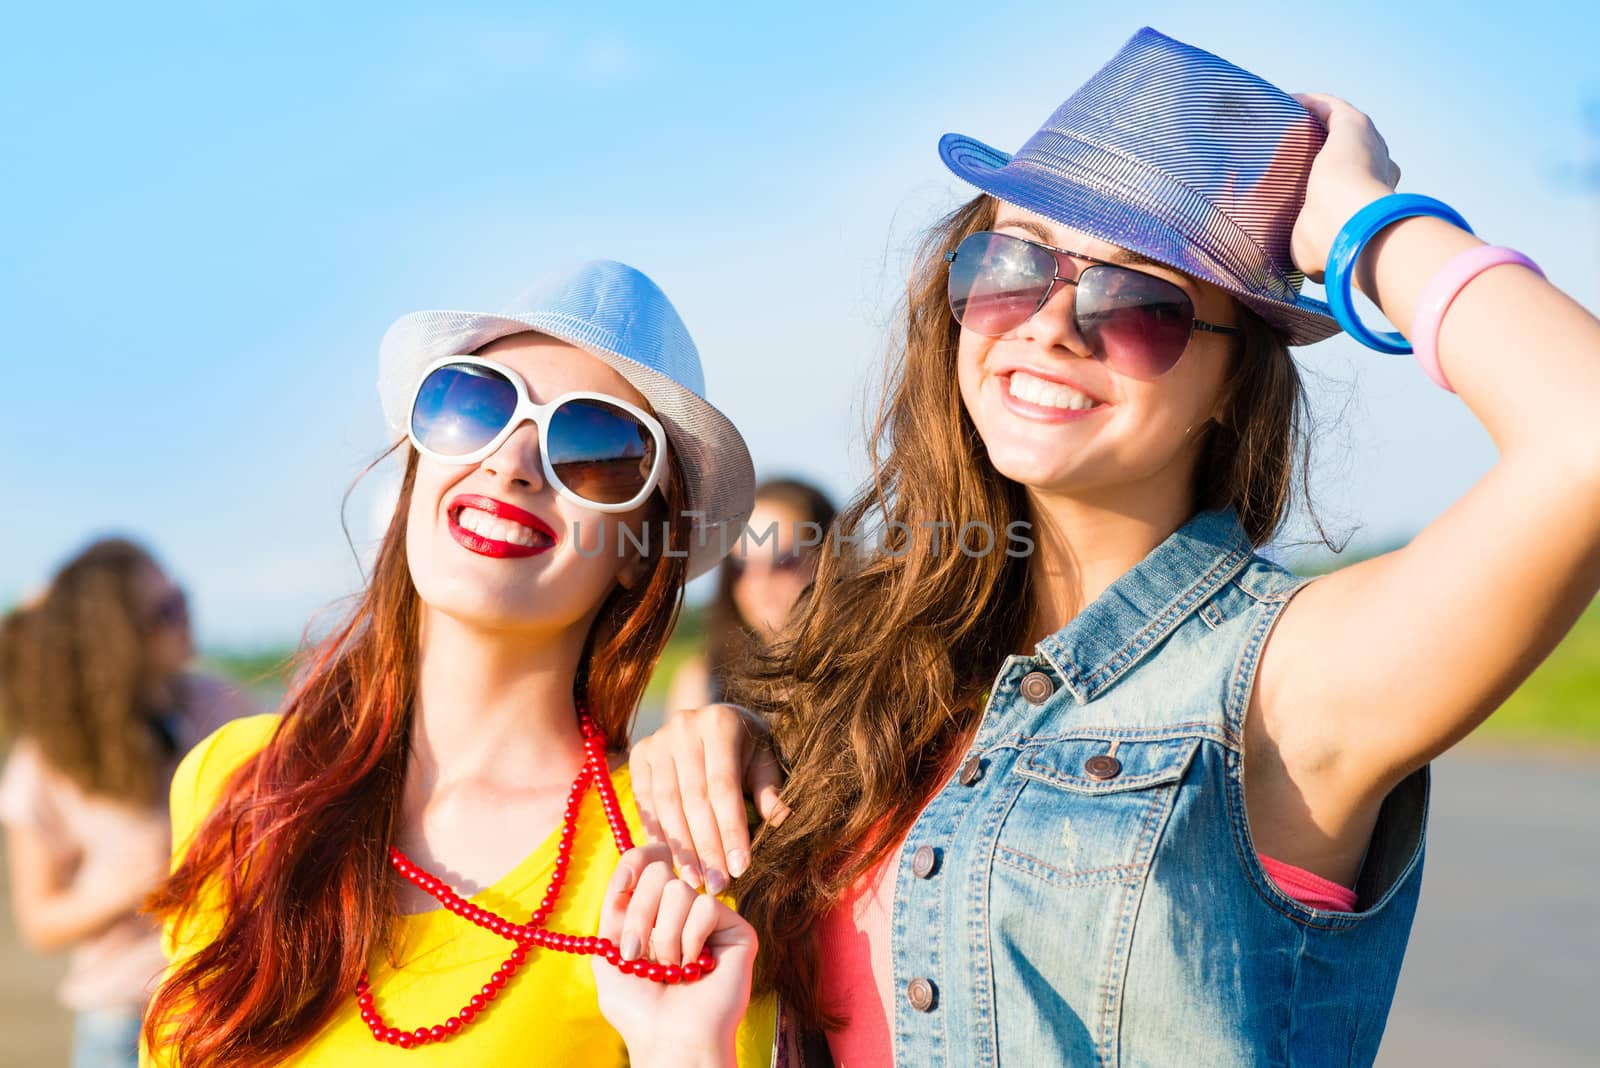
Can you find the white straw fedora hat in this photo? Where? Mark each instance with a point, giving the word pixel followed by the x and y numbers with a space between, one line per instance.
pixel 619 315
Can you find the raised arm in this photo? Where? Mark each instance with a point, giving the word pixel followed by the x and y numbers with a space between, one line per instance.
pixel 1377 668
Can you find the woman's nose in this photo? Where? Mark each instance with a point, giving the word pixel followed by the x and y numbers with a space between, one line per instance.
pixel 1053 326
pixel 517 459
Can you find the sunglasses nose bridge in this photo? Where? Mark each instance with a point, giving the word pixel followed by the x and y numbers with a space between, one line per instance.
pixel 519 458
pixel 1058 284
pixel 1064 273
pixel 1054 322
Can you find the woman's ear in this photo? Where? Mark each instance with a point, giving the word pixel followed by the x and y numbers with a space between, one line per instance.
pixel 640 562
pixel 1221 412
pixel 633 570
pixel 640 558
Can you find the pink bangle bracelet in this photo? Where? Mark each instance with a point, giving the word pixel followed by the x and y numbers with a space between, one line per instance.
pixel 1443 288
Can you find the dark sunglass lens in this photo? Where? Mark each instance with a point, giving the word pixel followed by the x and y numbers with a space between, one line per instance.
pixel 1137 323
pixel 171 611
pixel 791 563
pixel 758 562
pixel 460 408
pixel 996 282
pixel 600 451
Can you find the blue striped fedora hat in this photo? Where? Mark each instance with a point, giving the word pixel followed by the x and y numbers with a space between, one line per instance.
pixel 1178 154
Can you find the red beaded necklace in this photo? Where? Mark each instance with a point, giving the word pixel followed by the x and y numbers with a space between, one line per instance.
pixel 533 933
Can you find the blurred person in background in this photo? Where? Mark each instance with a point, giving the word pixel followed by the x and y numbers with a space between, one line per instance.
pixel 97 701
pixel 758 585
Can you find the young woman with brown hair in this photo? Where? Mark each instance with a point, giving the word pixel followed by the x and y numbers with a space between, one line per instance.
pixel 1131 793
pixel 459 740
pixel 98 700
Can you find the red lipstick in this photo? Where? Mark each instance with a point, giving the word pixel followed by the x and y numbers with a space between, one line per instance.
pixel 544 538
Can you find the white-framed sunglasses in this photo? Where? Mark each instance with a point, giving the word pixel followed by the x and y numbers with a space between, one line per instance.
pixel 597 450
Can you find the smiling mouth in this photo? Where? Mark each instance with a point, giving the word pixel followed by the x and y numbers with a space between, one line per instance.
pixel 498 530
pixel 1046 394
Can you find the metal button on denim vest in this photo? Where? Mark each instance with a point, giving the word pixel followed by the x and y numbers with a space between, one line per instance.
pixel 1097 899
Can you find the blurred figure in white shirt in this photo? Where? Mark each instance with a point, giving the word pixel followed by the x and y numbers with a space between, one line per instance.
pixel 98 706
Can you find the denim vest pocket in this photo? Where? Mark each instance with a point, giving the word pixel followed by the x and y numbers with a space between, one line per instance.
pixel 1091 809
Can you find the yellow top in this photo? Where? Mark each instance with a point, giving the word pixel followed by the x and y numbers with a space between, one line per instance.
pixel 548 1014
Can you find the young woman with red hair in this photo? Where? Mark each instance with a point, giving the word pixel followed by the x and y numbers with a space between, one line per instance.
pixel 459 740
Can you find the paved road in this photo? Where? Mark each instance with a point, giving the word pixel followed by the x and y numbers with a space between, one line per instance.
pixel 1503 969
pixel 1484 986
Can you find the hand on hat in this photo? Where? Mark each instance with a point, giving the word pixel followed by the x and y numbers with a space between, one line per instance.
pixel 1351 171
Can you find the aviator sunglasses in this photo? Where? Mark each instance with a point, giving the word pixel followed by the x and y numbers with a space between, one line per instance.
pixel 1136 323
pixel 597 450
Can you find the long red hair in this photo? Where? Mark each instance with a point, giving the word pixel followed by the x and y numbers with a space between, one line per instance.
pixel 297 843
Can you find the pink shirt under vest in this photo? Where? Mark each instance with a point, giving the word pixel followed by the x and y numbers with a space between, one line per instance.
pixel 853 950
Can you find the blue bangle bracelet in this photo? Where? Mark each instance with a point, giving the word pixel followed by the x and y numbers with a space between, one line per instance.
pixel 1352 238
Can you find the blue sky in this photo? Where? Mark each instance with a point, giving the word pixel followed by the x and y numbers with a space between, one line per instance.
pixel 209 214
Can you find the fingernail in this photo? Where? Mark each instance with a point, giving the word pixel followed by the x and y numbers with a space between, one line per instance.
pixel 716 882
pixel 630 946
pixel 690 874
pixel 738 862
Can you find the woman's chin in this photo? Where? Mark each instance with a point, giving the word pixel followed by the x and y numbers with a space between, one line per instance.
pixel 493 615
pixel 1045 473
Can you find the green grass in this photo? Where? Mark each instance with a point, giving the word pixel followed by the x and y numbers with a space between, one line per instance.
pixel 255 668
pixel 1559 704
pixel 688 639
pixel 265 672
pixel 261 673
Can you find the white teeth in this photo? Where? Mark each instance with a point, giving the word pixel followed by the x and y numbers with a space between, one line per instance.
pixel 495 528
pixel 1036 390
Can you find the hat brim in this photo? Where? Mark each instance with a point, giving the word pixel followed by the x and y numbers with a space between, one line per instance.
pixel 718 473
pixel 1076 202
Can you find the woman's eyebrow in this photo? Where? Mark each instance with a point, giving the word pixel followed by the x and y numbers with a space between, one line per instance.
pixel 1123 256
pixel 1137 259
pixel 1029 225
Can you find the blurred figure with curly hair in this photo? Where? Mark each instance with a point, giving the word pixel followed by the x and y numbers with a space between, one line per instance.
pixel 98 706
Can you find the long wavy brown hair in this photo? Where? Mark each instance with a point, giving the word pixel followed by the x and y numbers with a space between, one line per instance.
pixel 296 848
pixel 877 680
pixel 76 675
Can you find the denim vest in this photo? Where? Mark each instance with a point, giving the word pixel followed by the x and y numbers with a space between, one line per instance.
pixel 1084 890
